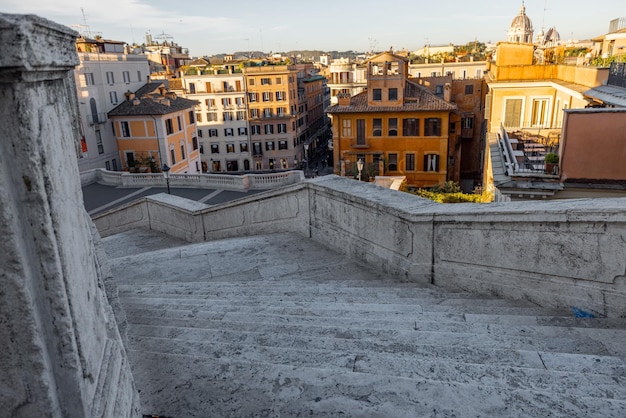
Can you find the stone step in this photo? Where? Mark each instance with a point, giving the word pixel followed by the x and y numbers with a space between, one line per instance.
pixel 388 321
pixel 323 305
pixel 342 339
pixel 397 365
pixel 173 383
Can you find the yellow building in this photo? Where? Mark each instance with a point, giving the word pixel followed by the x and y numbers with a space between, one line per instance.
pixel 395 125
pixel 154 127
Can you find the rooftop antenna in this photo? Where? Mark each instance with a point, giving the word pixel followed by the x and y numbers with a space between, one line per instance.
pixel 164 36
pixel 543 19
pixel 373 44
pixel 84 28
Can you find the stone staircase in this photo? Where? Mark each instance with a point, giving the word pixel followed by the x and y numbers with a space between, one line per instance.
pixel 278 326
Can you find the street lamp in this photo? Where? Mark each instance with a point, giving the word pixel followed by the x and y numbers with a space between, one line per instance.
pixel 166 173
pixel 295 163
pixel 306 158
pixel 359 166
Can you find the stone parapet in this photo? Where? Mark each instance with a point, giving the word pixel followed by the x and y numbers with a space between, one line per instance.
pixel 553 253
pixel 62 354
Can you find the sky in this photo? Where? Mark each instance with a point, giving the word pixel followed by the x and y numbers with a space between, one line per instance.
pixel 208 27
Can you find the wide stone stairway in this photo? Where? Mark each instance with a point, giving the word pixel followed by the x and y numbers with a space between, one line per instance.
pixel 279 326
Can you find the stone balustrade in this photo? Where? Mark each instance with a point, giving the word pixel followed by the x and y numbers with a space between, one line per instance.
pixel 208 181
pixel 554 253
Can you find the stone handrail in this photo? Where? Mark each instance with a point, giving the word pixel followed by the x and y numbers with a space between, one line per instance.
pixel 565 253
pixel 209 181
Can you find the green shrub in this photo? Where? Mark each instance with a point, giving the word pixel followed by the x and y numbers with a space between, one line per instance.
pixel 552 158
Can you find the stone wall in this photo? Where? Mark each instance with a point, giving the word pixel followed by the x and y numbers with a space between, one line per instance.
pixel 62 354
pixel 554 253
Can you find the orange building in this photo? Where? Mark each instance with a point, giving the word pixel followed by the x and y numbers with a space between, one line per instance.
pixel 395 125
pixel 154 127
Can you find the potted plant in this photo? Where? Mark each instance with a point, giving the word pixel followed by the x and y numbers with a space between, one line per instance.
pixel 552 162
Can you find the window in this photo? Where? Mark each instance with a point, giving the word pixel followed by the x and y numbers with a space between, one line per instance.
pixel 225 86
pixel 269 129
pixel 282 128
pixel 377 127
pixel 267 112
pixel 182 151
pixel 393 162
pixel 89 79
pixel 257 148
pixel 169 128
pixel 114 161
pixel 126 76
pixel 346 128
pixel 360 131
pixel 215 148
pixel 469 89
pixel 410 127
pixel 239 101
pixel 180 125
pixel 279 80
pixel 242 131
pixel 212 133
pixel 410 162
pixel 228 116
pixel 201 149
pixel 209 102
pixel 267 96
pixel 256 129
pixel 393 93
pixel 432 127
pixel 110 78
pixel 269 146
pixel 254 113
pixel 194 143
pixel 251 80
pixel 539 112
pixel 281 111
pixel 512 113
pixel 192 117
pixel 113 97
pixel 393 127
pixel 243 146
pixel 130 159
pixel 280 95
pixel 230 148
pixel 377 95
pixel 139 76
pixel 253 97
pixel 99 142
pixel 226 101
pixel 282 144
pixel 173 155
pixel 431 162
pixel 265 81
pixel 200 133
pixel 229 132
pixel 199 117
pixel 125 129
pixel 439 90
pixel 467 123
pixel 211 116
pixel 107 165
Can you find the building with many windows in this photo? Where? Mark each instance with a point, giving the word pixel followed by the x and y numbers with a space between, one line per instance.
pixel 222 119
pixel 272 93
pixel 396 127
pixel 153 127
pixel 106 71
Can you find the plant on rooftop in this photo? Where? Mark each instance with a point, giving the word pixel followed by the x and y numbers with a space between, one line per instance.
pixel 552 158
pixel 450 192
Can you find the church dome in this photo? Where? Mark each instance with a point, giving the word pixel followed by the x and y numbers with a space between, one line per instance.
pixel 521 29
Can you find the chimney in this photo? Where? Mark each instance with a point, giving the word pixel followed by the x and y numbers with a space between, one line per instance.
pixel 447 92
pixel 343 99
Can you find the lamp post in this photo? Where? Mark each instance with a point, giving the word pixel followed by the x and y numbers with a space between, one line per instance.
pixel 306 159
pixel 359 166
pixel 166 172
pixel 295 163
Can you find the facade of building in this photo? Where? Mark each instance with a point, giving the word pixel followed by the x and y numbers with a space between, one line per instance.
pixel 154 127
pixel 458 70
pixel 222 119
pixel 106 71
pixel 396 125
pixel 272 93
pixel 346 77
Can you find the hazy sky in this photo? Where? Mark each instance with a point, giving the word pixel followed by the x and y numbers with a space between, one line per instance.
pixel 209 27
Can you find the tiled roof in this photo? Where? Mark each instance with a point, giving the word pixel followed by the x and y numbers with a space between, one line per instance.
pixel 416 99
pixel 149 101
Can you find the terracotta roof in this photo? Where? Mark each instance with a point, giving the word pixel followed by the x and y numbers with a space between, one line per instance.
pixel 148 100
pixel 416 99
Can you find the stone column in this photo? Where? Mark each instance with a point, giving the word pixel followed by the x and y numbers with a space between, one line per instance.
pixel 61 354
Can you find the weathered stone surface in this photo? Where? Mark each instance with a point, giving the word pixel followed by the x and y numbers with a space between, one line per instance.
pixel 62 354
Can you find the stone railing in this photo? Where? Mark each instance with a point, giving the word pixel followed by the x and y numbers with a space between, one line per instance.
pixel 566 253
pixel 208 181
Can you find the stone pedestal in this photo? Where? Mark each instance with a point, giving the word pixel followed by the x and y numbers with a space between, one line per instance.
pixel 62 354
